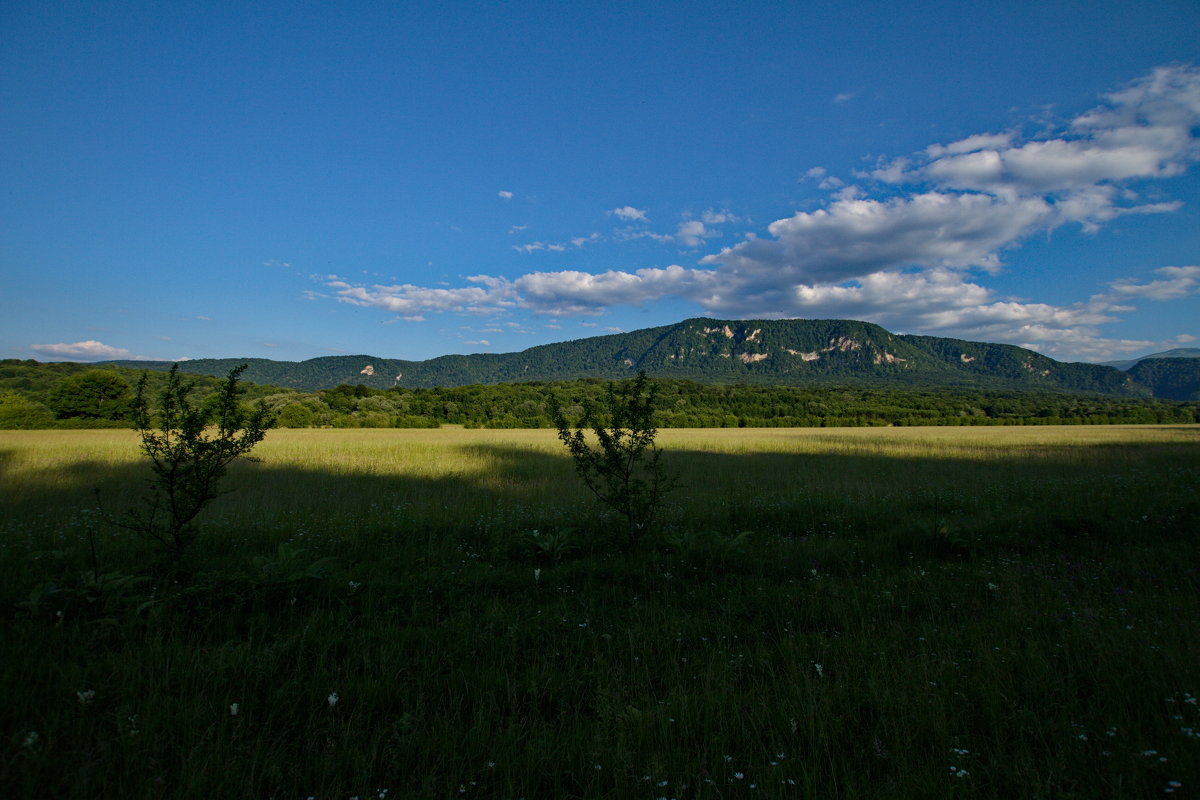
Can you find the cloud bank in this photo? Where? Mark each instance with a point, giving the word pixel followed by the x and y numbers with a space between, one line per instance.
pixel 90 350
pixel 911 252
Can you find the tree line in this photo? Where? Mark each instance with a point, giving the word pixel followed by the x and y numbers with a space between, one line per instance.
pixel 57 395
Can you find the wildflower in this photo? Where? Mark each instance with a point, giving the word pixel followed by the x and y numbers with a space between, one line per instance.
pixel 820 670
pixel 31 739
pixel 233 709
pixel 86 697
pixel 739 775
pixel 332 699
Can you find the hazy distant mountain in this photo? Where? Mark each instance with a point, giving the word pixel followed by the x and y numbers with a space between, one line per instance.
pixel 1175 378
pixel 1178 352
pixel 790 352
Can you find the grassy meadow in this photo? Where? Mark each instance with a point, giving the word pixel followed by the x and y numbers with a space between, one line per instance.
pixel 854 612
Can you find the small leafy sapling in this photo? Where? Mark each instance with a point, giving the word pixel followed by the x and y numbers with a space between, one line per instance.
pixel 190 448
pixel 624 469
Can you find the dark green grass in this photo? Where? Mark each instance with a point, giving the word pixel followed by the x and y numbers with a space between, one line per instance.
pixel 894 624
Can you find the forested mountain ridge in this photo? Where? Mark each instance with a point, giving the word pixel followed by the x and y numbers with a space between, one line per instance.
pixel 1169 378
pixel 1178 352
pixel 781 352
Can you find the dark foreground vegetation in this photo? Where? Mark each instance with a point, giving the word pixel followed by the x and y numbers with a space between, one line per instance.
pixel 38 396
pixel 411 614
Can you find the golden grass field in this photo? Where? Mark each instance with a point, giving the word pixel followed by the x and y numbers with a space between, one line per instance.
pixel 449 477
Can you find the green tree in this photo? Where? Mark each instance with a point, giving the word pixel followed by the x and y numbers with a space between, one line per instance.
pixel 18 412
pixel 187 459
pixel 624 470
pixel 96 394
pixel 296 415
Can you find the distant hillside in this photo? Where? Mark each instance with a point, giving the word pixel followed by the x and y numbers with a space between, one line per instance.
pixel 782 352
pixel 1169 378
pixel 1178 352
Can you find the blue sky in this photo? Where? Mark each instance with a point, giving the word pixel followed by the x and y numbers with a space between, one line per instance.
pixel 406 180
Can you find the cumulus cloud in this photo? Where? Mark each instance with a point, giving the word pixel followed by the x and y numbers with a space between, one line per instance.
pixel 1143 131
pixel 90 350
pixel 852 238
pixel 504 194
pixel 629 214
pixel 691 233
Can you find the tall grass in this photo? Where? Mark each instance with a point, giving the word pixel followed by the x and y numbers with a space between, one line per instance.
pixel 990 612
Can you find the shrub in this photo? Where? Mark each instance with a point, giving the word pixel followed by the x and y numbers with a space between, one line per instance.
pixel 186 461
pixel 625 471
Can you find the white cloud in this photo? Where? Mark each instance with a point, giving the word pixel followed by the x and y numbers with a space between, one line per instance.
pixel 479 343
pixel 843 97
pixel 629 235
pixel 714 217
pixel 535 246
pixel 505 195
pixel 580 241
pixel 557 247
pixel 1176 282
pixel 1143 131
pixel 971 144
pixel 691 233
pixel 90 350
pixel 851 238
pixel 913 256
pixel 409 301
pixel 629 214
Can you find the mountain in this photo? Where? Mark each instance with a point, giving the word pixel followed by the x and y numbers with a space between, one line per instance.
pixel 786 352
pixel 1178 352
pixel 1169 378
